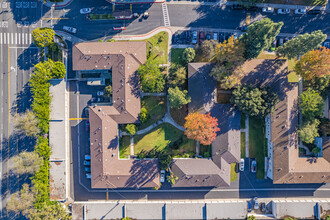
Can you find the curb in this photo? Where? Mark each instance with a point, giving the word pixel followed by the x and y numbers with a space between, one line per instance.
pixel 53 4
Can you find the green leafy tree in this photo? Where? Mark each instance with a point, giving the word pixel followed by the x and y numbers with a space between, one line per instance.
pixel 260 36
pixel 316 150
pixel 152 79
pixel 253 101
pixel 26 162
pixel 311 104
pixel 309 131
pixel 301 44
pixel 319 84
pixel 328 217
pixel 172 178
pixel 144 115
pixel 178 76
pixel 22 201
pixel 206 50
pixel 42 37
pixel 165 161
pixel 131 129
pixel 178 98
pixel 51 211
pixel 251 217
pixel 27 124
pixel 58 70
pixel 108 91
pixel 189 55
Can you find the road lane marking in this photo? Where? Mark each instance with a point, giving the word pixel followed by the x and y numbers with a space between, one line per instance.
pixel 75 119
pixel 4 38
pixel 12 38
pixel 1 39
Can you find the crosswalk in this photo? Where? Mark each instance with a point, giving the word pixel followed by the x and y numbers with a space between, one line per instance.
pixel 16 38
pixel 165 15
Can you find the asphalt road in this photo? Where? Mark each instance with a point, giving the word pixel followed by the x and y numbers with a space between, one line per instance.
pixel 17 20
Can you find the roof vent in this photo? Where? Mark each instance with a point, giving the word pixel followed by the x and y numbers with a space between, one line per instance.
pixel 99 109
pixel 122 100
pixel 98 128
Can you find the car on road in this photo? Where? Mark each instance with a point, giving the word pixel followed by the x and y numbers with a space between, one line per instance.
pixel 300 11
pixel 194 37
pixel 118 28
pixel 268 9
pixel 162 176
pixel 70 29
pixel 215 36
pixel 88 176
pixel 100 93
pixel 255 203
pixel 249 206
pixel 87 157
pixel 283 11
pixel 85 10
pixel 87 126
pixel 237 7
pixel 253 166
pixel 314 12
pixel 241 167
pixel 201 37
pixel 87 162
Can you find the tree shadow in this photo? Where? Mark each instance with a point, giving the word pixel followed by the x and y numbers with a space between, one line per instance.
pixel 20 11
pixel 23 100
pixel 28 59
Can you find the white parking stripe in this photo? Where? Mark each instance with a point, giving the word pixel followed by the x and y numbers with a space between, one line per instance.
pixel 8 40
pixel 22 38
pixel 26 38
pixel 0 38
pixel 19 38
pixel 12 38
pixel 15 38
pixel 30 39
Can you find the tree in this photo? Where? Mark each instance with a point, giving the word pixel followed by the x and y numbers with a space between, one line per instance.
pixel 311 104
pixel 131 129
pixel 319 84
pixel 189 55
pixel 301 44
pixel 108 91
pixel 251 217
pixel 21 201
pixel 152 79
pixel 260 36
pixel 58 70
pixel 309 131
pixel 26 162
pixel 316 150
pixel 172 178
pixel 144 115
pixel 314 64
pixel 253 101
pixel 178 76
pixel 165 161
pixel 230 53
pixel 42 37
pixel 51 211
pixel 201 127
pixel 27 124
pixel 206 50
pixel 289 218
pixel 178 98
pixel 328 217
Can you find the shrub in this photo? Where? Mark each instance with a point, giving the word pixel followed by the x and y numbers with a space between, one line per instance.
pixel 206 154
pixel 144 115
pixel 189 55
pixel 131 129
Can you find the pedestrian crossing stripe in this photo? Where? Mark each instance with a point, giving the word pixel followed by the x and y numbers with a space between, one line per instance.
pixel 15 38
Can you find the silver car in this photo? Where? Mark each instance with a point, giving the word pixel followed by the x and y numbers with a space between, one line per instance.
pixel 194 37
pixel 268 9
pixel 300 11
pixel 70 29
pixel 283 11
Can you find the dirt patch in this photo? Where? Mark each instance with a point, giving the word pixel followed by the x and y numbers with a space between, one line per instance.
pixel 179 115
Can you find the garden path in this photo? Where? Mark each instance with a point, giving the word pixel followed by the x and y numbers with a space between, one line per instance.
pixel 246 130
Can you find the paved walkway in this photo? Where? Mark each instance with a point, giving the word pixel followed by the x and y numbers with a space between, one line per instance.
pixel 246 131
pixel 58 4
pixel 152 94
pixel 132 145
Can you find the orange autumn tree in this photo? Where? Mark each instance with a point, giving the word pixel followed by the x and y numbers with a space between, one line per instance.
pixel 314 63
pixel 201 127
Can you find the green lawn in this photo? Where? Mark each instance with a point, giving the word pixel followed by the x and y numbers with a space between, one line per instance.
pixel 177 56
pixel 257 146
pixel 124 150
pixel 157 46
pixel 233 174
pixel 243 117
pixel 243 145
pixel 156 107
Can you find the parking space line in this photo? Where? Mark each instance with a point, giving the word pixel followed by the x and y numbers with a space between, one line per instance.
pixel 30 42
pixel 15 38
pixel 26 38
pixel 0 38
pixel 8 38
pixel 12 38
pixel 19 38
pixel 22 38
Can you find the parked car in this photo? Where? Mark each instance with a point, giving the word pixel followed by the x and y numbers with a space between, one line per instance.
pixel 87 157
pixel 88 176
pixel 201 36
pixel 208 36
pixel 99 99
pixel 87 126
pixel 215 36
pixel 162 176
pixel 314 12
pixel 254 166
pixel 87 169
pixel 249 206
pixel 286 39
pixel 237 7
pixel 243 28
pixel 235 36
pixel 87 162
pixel 273 46
pixel 118 28
pixel 100 93
pixel 222 37
pixel 85 10
pixel 268 9
pixel 283 11
pixel 256 203
pixel 241 168
pixel 237 167
pixel 280 41
pixel 194 37
pixel 326 44
pixel 70 29
pixel 262 207
pixel 146 15
pixel 136 15
pixel 300 11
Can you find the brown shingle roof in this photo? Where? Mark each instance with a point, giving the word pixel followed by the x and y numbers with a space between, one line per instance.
pixel 108 171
